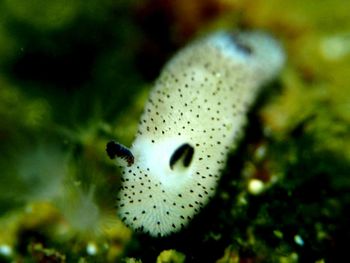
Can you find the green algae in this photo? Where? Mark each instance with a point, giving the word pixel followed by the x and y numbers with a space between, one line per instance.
pixel 168 256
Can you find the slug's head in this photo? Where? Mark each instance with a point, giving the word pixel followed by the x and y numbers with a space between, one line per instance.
pixel 160 190
pixel 177 160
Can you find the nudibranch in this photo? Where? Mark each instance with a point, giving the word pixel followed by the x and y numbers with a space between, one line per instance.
pixel 191 121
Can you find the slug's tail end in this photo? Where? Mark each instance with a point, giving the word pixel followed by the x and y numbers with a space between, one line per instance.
pixel 256 49
pixel 265 50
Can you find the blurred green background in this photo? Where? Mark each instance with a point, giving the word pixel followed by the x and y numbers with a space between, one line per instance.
pixel 75 74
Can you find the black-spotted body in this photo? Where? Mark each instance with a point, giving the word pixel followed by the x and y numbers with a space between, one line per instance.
pixel 192 120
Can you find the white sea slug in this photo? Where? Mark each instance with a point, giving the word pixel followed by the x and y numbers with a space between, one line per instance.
pixel 190 123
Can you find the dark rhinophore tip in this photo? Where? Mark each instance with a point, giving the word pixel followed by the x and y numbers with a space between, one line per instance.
pixel 111 149
pixel 185 153
pixel 117 150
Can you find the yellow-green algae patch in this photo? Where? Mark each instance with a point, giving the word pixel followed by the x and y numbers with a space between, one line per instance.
pixel 168 256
